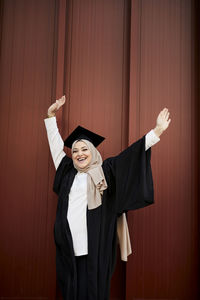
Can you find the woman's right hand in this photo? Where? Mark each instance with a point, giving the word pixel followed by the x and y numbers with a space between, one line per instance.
pixel 55 107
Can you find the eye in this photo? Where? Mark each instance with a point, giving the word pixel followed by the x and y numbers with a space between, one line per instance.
pixel 85 149
pixel 74 151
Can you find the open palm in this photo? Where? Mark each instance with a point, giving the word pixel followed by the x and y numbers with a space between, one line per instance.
pixel 163 120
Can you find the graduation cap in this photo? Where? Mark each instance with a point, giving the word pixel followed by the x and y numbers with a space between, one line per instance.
pixel 82 133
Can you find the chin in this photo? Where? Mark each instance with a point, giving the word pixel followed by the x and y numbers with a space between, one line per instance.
pixel 82 166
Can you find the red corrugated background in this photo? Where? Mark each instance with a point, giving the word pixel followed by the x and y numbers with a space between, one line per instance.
pixel 119 63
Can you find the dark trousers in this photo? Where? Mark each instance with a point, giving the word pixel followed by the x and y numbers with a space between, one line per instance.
pixel 82 280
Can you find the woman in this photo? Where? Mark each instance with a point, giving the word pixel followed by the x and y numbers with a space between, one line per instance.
pixel 92 195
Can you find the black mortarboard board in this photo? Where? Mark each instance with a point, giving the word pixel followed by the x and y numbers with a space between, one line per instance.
pixel 83 133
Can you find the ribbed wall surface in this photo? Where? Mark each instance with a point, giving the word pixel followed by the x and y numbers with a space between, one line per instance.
pixel 119 63
pixel 163 68
pixel 27 260
pixel 97 80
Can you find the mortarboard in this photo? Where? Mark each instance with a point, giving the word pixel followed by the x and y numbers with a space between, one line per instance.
pixel 83 133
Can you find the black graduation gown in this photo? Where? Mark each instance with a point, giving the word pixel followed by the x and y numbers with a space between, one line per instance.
pixel 130 186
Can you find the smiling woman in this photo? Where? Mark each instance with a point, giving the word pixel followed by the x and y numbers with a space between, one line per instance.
pixel 81 154
pixel 92 195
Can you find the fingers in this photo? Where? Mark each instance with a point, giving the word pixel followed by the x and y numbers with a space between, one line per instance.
pixel 167 116
pixel 53 107
pixel 163 119
pixel 162 113
pixel 61 101
pixel 165 113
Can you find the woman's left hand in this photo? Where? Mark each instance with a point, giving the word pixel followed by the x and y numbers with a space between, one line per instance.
pixel 162 122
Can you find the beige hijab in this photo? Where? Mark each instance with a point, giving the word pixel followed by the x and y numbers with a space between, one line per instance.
pixel 96 180
pixel 96 184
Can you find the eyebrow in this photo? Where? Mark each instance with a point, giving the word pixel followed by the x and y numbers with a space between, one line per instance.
pixel 81 147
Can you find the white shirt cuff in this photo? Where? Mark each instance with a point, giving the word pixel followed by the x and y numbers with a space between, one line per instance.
pixel 151 139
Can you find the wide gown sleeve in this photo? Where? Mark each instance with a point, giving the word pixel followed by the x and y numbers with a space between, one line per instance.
pixel 132 177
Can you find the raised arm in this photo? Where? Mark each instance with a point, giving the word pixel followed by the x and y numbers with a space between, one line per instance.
pixel 162 123
pixel 56 143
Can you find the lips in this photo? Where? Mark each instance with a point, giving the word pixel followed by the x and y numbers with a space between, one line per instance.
pixel 81 159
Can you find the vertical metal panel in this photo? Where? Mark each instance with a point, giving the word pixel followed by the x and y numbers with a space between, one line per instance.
pixel 97 72
pixel 165 260
pixel 97 80
pixel 89 61
pixel 26 66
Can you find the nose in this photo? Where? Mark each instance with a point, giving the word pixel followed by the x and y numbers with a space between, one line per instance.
pixel 79 153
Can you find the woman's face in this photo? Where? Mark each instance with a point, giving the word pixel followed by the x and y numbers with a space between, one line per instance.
pixel 81 155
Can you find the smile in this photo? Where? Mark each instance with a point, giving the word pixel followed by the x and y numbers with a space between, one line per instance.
pixel 81 159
